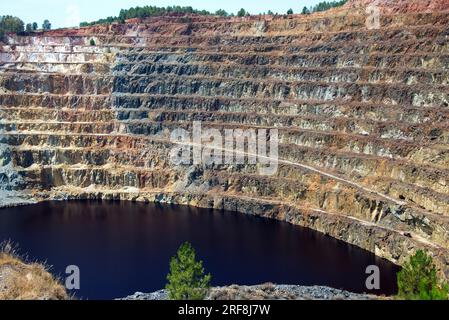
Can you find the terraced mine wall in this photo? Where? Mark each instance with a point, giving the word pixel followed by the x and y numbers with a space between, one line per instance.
pixel 362 118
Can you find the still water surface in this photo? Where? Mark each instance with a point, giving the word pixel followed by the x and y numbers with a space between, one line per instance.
pixel 124 247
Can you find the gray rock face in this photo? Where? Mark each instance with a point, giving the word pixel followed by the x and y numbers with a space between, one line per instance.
pixel 266 292
pixel 11 181
pixel 362 118
pixel 158 295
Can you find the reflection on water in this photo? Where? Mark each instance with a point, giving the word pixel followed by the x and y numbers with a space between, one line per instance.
pixel 123 247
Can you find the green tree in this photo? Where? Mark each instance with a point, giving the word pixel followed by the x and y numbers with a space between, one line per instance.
pixel 92 42
pixel 29 27
pixel 305 11
pixel 241 13
pixel 46 25
pixel 290 11
pixel 10 24
pixel 418 279
pixel 146 11
pixel 35 26
pixel 270 12
pixel 326 5
pixel 186 280
pixel 221 12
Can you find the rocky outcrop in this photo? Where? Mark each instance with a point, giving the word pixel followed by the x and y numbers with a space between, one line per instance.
pixel 265 292
pixel 362 117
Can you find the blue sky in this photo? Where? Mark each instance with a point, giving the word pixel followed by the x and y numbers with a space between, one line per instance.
pixel 66 13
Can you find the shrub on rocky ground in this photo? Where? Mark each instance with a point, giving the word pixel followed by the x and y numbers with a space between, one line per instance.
pixel 186 280
pixel 26 281
pixel 418 279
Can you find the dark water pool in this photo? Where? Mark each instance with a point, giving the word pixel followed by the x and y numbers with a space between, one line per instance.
pixel 123 247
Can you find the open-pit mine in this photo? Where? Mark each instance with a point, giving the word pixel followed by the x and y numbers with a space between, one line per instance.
pixel 362 115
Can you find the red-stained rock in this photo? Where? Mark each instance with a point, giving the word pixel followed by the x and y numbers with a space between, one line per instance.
pixel 362 115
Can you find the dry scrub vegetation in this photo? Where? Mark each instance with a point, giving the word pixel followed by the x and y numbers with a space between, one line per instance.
pixel 26 281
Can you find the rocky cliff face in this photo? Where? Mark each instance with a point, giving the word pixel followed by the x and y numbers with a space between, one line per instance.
pixel 362 117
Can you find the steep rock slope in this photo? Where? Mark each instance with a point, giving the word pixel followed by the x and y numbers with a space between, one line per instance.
pixel 362 117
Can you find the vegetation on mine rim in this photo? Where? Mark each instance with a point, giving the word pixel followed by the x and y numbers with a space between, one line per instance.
pixel 11 24
pixel 21 280
pixel 152 11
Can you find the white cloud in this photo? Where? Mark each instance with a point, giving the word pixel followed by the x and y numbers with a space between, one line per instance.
pixel 73 16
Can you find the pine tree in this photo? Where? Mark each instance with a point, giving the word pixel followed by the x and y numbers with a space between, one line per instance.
pixel 418 280
pixel 11 24
pixel 186 280
pixel 46 25
pixel 241 13
pixel 290 11
pixel 221 12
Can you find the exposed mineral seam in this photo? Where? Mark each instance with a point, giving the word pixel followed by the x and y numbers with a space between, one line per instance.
pixel 363 118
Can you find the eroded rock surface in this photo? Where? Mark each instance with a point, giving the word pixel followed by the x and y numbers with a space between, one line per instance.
pixel 362 118
pixel 266 292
